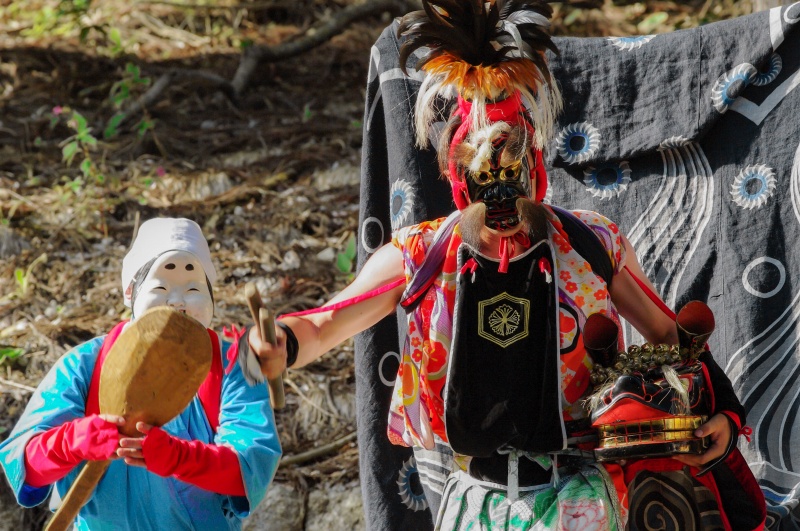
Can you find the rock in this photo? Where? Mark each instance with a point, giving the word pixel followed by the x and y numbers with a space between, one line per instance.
pixel 338 175
pixel 11 243
pixel 327 255
pixel 335 507
pixel 283 509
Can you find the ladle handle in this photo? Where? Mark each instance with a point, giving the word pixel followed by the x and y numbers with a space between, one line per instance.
pixel 265 323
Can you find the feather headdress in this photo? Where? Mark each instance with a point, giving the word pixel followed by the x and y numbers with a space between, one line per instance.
pixel 483 52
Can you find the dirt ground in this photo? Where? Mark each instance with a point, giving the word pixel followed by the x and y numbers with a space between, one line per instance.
pixel 273 179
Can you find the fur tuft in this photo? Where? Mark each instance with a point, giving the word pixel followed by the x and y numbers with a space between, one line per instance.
pixel 680 406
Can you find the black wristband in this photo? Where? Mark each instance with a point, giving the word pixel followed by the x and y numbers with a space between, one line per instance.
pixel 292 346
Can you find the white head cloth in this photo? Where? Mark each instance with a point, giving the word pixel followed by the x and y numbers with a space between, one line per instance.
pixel 156 237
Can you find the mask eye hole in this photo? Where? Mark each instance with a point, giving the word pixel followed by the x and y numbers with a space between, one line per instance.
pixel 511 173
pixel 483 178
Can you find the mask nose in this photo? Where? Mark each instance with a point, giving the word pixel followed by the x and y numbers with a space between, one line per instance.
pixel 176 301
pixel 501 193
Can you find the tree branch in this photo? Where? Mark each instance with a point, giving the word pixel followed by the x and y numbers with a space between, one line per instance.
pixel 313 37
pixel 317 452
pixel 256 55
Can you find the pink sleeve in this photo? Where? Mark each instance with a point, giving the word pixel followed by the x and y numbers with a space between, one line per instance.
pixel 51 455
pixel 208 466
pixel 609 233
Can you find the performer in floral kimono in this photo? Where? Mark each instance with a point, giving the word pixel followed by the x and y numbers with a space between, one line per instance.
pixel 494 371
pixel 205 469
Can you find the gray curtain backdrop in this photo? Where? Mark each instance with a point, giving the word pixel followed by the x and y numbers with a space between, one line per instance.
pixel 691 142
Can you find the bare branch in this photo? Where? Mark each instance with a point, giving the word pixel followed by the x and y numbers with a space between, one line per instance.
pixel 312 38
pixel 255 55
pixel 285 4
pixel 317 452
pixel 176 76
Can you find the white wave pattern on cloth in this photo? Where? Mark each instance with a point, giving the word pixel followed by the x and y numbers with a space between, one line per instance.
pixel 666 236
pixel 766 376
pixel 795 183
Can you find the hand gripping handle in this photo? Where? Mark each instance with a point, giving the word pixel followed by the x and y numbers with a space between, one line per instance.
pixel 265 323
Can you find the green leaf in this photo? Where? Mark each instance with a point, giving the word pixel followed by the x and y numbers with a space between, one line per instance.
pixel 19 275
pixel 10 353
pixel 350 250
pixel 572 17
pixel 652 21
pixel 143 127
pixel 80 121
pixel 86 167
pixel 112 129
pixel 68 152
pixel 115 38
pixel 120 92
pixel 343 263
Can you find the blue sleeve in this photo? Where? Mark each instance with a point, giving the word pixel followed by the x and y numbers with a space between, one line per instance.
pixel 60 397
pixel 247 424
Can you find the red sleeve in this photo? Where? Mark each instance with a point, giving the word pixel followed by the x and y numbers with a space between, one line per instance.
pixel 51 455
pixel 208 466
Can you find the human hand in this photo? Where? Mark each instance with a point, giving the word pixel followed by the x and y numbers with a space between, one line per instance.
pixel 271 358
pixel 117 422
pixel 92 438
pixel 718 428
pixel 131 447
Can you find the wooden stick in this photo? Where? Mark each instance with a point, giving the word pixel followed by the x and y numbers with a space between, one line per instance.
pixel 265 323
pixel 77 497
pixel 317 452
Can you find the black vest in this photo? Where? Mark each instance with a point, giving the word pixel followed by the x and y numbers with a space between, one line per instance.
pixel 503 382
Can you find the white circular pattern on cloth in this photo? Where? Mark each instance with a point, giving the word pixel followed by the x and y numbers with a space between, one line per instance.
pixel 758 261
pixel 609 180
pixel 792 15
pixel 730 84
pixel 401 198
pixel 774 68
pixel 673 142
pixel 631 43
pixel 387 382
pixel 367 247
pixel 753 186
pixel 578 142
pixel 412 500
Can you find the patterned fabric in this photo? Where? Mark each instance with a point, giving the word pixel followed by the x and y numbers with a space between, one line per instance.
pixel 131 498
pixel 417 409
pixel 581 501
pixel 672 501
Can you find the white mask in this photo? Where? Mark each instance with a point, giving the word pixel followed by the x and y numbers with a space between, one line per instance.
pixel 176 279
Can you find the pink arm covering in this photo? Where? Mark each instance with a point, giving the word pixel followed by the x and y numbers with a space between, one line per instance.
pixel 208 466
pixel 51 455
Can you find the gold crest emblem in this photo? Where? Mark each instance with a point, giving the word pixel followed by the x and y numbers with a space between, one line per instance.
pixel 503 319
